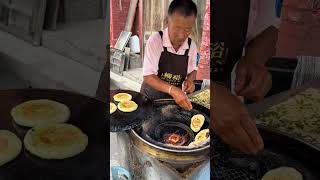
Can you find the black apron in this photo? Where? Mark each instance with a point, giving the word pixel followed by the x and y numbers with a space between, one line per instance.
pixel 228 36
pixel 172 69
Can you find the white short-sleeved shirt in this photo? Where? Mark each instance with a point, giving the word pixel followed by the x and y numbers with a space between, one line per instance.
pixel 262 15
pixel 154 48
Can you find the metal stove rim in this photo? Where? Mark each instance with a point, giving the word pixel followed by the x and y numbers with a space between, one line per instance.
pixel 167 149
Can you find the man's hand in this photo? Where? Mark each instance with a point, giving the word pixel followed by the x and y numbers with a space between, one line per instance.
pixel 231 121
pixel 253 81
pixel 188 86
pixel 180 98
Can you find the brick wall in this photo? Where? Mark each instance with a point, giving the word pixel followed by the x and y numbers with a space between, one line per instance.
pixel 118 18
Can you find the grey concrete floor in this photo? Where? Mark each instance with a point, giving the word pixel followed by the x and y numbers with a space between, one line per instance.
pixel 82 41
pixel 43 68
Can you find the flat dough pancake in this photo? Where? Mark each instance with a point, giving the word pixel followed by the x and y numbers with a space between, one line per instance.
pixel 199 143
pixel 197 122
pixel 283 173
pixel 127 106
pixel 55 141
pixel 113 108
pixel 202 135
pixel 122 97
pixel 35 112
pixel 10 146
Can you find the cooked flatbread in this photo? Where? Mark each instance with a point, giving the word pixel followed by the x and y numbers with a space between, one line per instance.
pixel 122 97
pixel 199 143
pixel 55 141
pixel 10 146
pixel 197 122
pixel 35 112
pixel 127 106
pixel 202 135
pixel 283 173
pixel 113 108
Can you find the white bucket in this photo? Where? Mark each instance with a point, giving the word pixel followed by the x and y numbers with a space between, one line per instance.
pixel 134 44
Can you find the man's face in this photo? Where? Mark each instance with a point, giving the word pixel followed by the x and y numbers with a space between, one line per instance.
pixel 180 27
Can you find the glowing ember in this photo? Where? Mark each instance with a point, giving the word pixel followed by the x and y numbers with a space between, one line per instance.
pixel 173 134
pixel 175 139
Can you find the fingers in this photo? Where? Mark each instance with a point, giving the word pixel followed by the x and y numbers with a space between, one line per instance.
pixel 238 138
pixel 189 105
pixel 258 87
pixel 183 101
pixel 254 87
pixel 241 134
pixel 235 136
pixel 184 86
pixel 232 139
pixel 246 144
pixel 188 87
pixel 185 104
pixel 241 79
pixel 253 133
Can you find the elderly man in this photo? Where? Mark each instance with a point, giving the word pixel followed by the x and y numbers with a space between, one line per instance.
pixel 169 67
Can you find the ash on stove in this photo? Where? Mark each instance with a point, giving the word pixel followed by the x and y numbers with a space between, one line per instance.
pixel 169 110
pixel 171 121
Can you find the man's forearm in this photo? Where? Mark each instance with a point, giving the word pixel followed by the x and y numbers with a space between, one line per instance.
pixel 158 84
pixel 261 48
pixel 192 76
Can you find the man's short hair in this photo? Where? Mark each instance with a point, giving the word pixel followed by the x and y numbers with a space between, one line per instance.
pixel 183 7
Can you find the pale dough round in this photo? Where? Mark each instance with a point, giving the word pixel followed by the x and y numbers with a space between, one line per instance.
pixel 10 146
pixel 113 108
pixel 197 122
pixel 202 135
pixel 35 112
pixel 283 173
pixel 122 97
pixel 127 106
pixel 55 141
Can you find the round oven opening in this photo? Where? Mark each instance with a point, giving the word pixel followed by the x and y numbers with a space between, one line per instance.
pixel 166 135
pixel 174 133
pixel 169 128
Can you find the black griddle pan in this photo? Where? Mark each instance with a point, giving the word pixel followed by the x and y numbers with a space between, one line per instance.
pixel 121 121
pixel 87 113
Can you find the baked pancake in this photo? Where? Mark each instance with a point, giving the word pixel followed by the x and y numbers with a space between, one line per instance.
pixel 10 146
pixel 197 122
pixel 283 173
pixel 55 141
pixel 35 112
pixel 113 108
pixel 201 138
pixel 122 97
pixel 202 135
pixel 127 106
